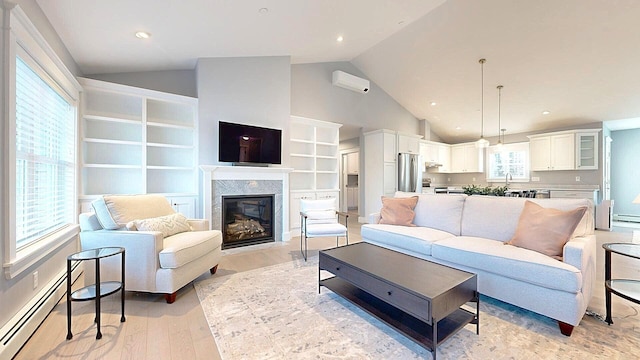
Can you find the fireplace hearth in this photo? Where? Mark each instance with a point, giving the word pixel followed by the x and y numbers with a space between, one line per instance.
pixel 247 220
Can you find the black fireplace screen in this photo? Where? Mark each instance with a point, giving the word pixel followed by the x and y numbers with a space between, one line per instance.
pixel 247 220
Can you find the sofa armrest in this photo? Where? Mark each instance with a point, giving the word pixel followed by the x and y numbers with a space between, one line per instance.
pixel 580 252
pixel 199 224
pixel 141 249
pixel 374 218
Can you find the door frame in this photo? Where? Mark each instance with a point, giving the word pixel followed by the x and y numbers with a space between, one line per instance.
pixel 344 205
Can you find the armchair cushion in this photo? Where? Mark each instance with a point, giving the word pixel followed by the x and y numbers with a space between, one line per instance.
pixel 168 225
pixel 317 230
pixel 185 247
pixel 115 211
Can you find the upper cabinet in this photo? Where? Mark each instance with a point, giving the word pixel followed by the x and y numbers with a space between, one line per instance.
pixel 587 150
pixel 435 153
pixel 566 150
pixel 408 143
pixel 137 141
pixel 353 163
pixel 466 158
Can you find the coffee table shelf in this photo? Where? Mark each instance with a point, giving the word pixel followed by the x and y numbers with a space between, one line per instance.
pixel 409 326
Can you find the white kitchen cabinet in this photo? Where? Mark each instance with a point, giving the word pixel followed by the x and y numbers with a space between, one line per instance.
pixel 136 141
pixel 379 177
pixel 353 163
pixel 438 153
pixel 586 150
pixel 565 150
pixel 466 158
pixel 352 197
pixel 408 143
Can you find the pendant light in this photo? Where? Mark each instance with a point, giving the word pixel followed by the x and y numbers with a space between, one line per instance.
pixel 499 144
pixel 482 142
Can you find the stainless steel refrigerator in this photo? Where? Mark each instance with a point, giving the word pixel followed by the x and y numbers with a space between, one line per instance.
pixel 409 172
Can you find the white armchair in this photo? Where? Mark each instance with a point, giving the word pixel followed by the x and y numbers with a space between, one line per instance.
pixel 319 218
pixel 163 253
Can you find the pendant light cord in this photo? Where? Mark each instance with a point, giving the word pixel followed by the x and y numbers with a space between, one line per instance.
pixel 499 106
pixel 482 61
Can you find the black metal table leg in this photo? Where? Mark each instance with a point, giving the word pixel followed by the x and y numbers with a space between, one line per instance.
pixel 122 319
pixel 607 278
pixel 99 334
pixel 69 334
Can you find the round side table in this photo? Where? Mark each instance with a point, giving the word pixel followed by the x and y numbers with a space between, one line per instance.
pixel 97 290
pixel 628 289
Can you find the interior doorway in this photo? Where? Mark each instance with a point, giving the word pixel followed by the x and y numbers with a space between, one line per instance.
pixel 349 180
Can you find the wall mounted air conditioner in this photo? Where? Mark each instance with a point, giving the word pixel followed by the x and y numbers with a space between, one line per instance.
pixel 351 82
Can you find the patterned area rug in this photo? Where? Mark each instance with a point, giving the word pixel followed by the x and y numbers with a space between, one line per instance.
pixel 276 313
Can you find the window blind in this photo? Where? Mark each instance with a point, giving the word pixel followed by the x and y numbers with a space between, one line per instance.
pixel 45 157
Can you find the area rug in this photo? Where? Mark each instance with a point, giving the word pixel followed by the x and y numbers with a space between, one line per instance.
pixel 276 313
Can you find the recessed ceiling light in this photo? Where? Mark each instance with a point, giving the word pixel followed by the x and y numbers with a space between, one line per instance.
pixel 263 10
pixel 433 103
pixel 339 38
pixel 458 128
pixel 546 112
pixel 143 35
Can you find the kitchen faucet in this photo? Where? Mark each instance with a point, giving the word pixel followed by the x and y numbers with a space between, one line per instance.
pixel 507 177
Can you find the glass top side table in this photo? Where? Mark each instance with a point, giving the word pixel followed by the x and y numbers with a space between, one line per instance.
pixel 99 289
pixel 628 289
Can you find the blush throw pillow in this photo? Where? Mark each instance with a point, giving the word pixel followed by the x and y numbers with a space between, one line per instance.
pixel 168 225
pixel 398 211
pixel 545 230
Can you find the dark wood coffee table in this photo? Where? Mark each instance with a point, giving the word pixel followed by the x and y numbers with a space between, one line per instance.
pixel 419 298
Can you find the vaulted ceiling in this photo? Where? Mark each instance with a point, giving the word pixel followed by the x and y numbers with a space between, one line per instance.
pixel 577 59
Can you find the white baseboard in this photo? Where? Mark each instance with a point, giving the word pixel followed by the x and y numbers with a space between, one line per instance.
pixel 20 328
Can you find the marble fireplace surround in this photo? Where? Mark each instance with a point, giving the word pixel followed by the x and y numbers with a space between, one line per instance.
pixel 246 180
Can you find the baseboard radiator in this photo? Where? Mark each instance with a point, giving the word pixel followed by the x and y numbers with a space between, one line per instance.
pixel 627 218
pixel 20 328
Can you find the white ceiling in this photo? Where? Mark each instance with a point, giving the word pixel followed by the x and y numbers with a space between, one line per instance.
pixel 578 59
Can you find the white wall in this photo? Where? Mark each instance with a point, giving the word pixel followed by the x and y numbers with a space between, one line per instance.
pixel 625 171
pixel 313 96
pixel 181 82
pixel 252 91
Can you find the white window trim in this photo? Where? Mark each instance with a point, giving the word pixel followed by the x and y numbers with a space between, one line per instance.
pixel 494 149
pixel 19 32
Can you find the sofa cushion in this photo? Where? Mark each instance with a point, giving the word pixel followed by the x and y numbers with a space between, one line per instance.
pixel 182 248
pixel 441 212
pixel 168 225
pixel 115 211
pixel 545 230
pixel 509 261
pixel 413 239
pixel 398 211
pixel 496 218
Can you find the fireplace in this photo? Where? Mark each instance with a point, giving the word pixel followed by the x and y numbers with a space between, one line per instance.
pixel 247 220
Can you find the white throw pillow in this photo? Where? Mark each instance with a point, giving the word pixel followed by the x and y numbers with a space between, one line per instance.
pixel 168 225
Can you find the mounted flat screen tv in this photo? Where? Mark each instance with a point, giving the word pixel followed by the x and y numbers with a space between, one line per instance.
pixel 246 144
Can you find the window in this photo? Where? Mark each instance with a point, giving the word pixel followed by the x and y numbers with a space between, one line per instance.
pixel 45 157
pixel 39 136
pixel 512 159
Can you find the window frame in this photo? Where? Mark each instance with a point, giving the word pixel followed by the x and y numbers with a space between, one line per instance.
pixel 21 38
pixel 520 146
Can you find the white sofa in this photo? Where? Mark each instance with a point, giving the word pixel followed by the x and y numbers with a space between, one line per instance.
pixel 469 232
pixel 153 263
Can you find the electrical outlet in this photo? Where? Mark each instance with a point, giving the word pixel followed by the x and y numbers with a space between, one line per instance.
pixel 535 178
pixel 577 178
pixel 448 179
pixel 35 279
pixel 473 179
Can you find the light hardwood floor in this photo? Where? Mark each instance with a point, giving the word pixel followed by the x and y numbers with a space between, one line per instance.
pixel 156 330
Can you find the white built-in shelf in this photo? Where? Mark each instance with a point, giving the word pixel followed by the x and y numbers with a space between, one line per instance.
pixel 137 141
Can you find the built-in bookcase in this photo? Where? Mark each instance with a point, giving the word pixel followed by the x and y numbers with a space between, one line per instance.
pixel 136 141
pixel 314 156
